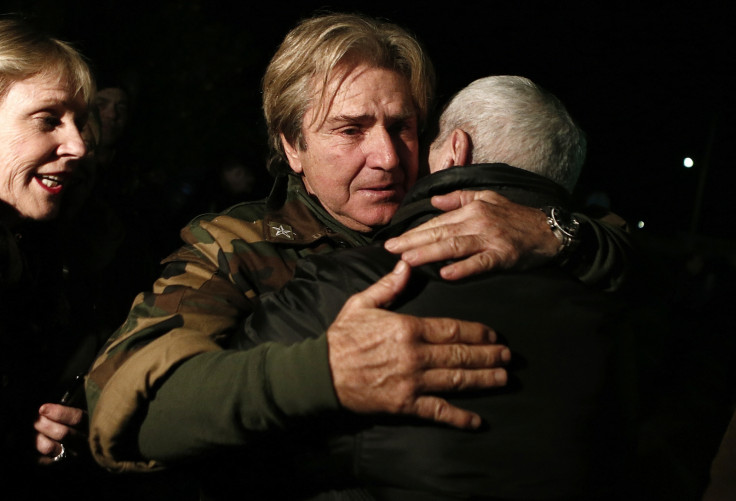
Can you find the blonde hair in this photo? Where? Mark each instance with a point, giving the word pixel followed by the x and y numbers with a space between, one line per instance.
pixel 327 46
pixel 26 52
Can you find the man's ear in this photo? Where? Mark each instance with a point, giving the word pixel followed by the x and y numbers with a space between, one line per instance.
pixel 460 147
pixel 292 155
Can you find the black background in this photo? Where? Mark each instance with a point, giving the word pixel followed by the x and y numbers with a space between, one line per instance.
pixel 649 84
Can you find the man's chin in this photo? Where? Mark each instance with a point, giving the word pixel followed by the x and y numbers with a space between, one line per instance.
pixel 382 216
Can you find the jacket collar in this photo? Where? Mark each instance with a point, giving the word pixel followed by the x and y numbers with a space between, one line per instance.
pixel 518 185
pixel 294 216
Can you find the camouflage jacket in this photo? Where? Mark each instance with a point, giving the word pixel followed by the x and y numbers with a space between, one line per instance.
pixel 206 289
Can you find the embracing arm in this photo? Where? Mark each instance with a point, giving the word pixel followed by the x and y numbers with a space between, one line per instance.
pixel 192 306
pixel 369 361
pixel 491 232
pixel 604 257
pixel 140 384
pixel 227 398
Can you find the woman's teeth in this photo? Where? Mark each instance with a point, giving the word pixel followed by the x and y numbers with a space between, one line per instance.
pixel 50 181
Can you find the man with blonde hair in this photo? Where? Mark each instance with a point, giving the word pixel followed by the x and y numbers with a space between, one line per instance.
pixel 561 428
pixel 344 99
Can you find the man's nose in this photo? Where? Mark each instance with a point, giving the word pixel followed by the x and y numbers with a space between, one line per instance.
pixel 381 149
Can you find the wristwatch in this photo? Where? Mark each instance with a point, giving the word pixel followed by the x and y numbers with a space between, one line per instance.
pixel 565 227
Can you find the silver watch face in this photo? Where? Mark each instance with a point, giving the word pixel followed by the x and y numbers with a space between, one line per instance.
pixel 565 221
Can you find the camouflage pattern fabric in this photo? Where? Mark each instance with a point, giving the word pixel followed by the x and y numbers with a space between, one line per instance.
pixel 206 290
pixel 209 286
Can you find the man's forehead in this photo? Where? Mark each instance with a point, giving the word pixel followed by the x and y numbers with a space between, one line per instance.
pixel 362 94
pixel 402 115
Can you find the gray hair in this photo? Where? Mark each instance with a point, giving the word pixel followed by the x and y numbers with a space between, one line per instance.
pixel 514 121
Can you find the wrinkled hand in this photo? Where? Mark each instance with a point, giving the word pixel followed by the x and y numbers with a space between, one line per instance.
pixel 387 362
pixel 57 424
pixel 485 228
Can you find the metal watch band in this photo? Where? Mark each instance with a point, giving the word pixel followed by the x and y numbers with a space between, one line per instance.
pixel 564 226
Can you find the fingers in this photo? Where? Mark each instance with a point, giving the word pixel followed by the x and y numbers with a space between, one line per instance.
pixel 442 226
pixel 49 442
pixel 450 330
pixel 480 252
pixel 46 446
pixel 55 430
pixel 441 380
pixel 483 231
pixel 480 255
pixel 48 449
pixel 57 424
pixel 385 291
pixel 385 362
pixel 425 234
pixel 473 265
pixel 441 411
pixel 70 416
pixel 464 356
pixel 461 198
pixel 476 227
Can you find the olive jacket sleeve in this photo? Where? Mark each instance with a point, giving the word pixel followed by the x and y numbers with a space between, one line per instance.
pixel 207 288
pixel 605 258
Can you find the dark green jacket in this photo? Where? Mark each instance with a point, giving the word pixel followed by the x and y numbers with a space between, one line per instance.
pixel 169 354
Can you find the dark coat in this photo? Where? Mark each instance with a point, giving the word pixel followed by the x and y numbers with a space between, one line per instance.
pixel 559 430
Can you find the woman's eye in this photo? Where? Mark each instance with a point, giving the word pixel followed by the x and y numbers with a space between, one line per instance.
pixel 50 122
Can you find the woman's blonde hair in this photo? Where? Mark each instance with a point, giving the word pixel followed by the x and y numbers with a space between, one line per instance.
pixel 26 52
pixel 327 46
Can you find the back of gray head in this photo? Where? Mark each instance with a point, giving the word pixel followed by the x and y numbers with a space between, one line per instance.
pixel 512 120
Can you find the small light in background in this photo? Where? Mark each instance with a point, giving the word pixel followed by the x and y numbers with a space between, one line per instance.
pixel 640 224
pixel 688 162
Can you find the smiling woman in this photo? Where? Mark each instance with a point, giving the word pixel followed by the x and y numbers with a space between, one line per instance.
pixel 44 89
pixel 45 86
pixel 41 137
